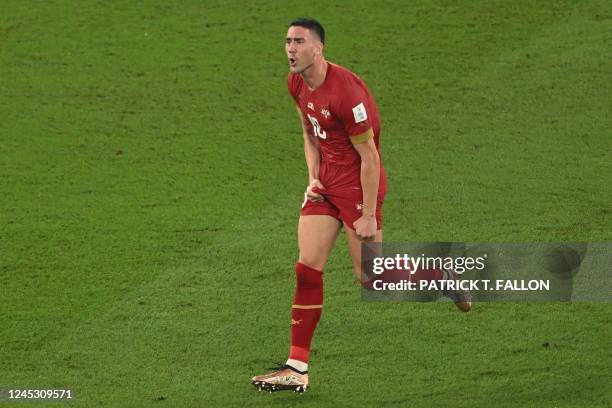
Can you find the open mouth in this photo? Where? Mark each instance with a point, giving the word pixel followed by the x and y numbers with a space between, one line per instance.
pixel 292 62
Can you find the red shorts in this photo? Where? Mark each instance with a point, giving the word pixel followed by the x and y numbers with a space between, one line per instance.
pixel 346 208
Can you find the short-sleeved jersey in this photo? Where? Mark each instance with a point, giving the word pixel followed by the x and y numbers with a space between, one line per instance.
pixel 340 108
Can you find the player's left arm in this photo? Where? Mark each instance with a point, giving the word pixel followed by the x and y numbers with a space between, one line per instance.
pixel 366 225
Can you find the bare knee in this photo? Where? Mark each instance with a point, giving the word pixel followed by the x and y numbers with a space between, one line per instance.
pixel 313 262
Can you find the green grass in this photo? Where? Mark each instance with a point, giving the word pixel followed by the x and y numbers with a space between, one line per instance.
pixel 151 172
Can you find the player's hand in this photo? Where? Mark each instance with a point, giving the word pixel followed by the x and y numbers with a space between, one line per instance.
pixel 313 191
pixel 365 227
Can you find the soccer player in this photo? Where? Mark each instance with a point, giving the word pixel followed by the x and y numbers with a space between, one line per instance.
pixel 347 183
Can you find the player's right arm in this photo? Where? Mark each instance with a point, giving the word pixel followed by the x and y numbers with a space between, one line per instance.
pixel 313 161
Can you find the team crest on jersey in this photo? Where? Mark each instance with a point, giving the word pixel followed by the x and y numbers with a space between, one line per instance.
pixel 325 112
pixel 310 106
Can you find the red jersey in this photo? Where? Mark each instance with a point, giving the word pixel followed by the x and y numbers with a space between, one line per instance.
pixel 340 108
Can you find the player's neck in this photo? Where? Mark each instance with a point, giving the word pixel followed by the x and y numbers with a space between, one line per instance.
pixel 315 75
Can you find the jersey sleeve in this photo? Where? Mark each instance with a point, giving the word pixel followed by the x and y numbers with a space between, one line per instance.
pixel 353 109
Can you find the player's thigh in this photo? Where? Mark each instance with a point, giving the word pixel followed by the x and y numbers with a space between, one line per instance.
pixel 316 237
pixel 354 244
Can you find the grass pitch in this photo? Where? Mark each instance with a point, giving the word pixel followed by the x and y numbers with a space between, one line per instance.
pixel 151 172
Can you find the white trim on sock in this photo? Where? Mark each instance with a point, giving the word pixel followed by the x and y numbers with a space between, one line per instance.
pixel 297 364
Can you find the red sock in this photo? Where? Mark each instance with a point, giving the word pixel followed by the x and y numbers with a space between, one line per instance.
pixel 426 275
pixel 306 310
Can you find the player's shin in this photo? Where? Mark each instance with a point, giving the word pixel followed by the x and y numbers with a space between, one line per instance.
pixel 305 314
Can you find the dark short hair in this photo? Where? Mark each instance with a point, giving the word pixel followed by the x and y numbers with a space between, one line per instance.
pixel 311 24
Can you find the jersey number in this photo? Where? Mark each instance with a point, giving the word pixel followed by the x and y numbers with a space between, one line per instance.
pixel 317 128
